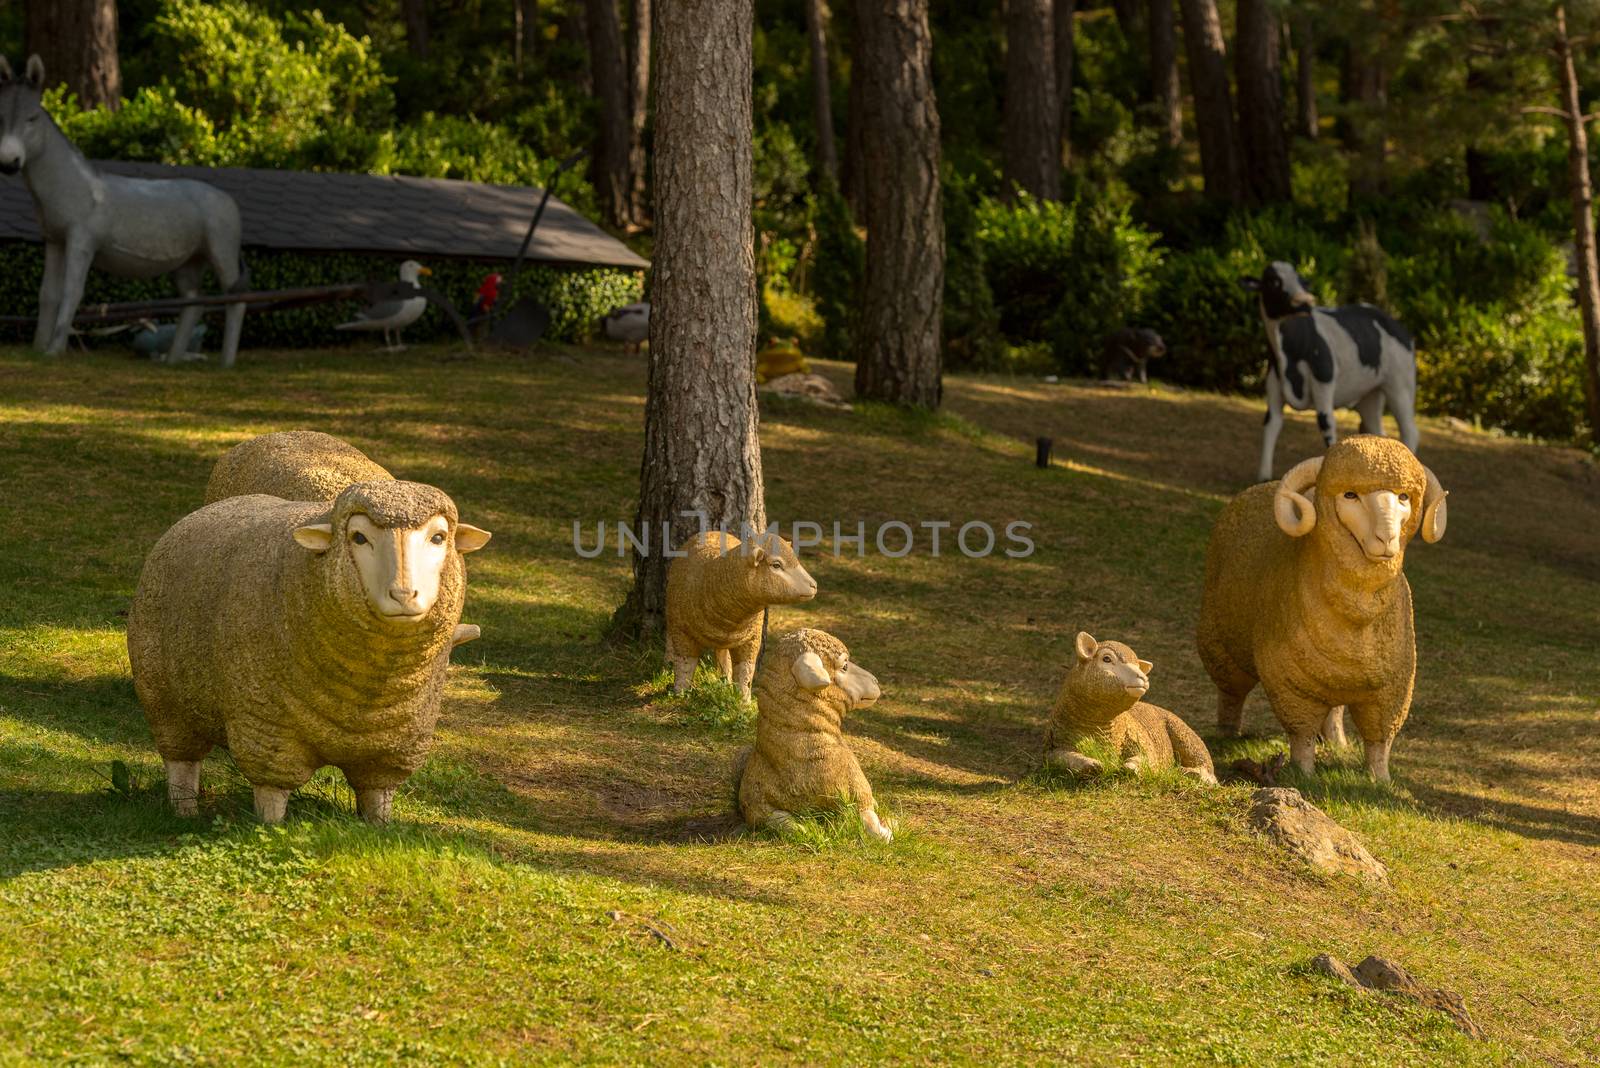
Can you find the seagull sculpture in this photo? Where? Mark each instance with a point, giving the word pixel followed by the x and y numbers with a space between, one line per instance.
pixel 393 316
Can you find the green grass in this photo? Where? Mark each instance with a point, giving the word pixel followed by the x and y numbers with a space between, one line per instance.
pixel 564 879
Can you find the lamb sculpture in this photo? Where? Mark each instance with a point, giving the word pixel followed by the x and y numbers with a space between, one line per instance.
pixel 1305 594
pixel 717 594
pixel 297 465
pixel 1100 699
pixel 800 761
pixel 301 634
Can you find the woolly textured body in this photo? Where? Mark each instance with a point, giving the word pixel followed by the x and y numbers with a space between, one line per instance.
pixel 1158 734
pixel 296 465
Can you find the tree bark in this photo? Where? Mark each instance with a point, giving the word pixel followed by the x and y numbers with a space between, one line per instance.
pixel 827 161
pixel 1063 34
pixel 638 111
pixel 702 451
pixel 77 39
pixel 1213 106
pixel 1307 120
pixel 1258 68
pixel 897 336
pixel 1165 88
pixel 1031 115
pixel 609 167
pixel 851 176
pixel 416 16
pixel 1582 220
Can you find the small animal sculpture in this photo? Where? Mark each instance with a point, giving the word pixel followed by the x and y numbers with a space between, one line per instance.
pixel 128 227
pixel 1100 700
pixel 1126 352
pixel 779 359
pixel 393 316
pixel 301 634
pixel 1305 594
pixel 629 324
pixel 717 594
pixel 1352 356
pixel 488 296
pixel 800 761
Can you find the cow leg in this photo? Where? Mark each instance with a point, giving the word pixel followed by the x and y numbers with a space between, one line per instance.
pixel 1371 409
pixel 1322 401
pixel 188 279
pixel 1273 425
pixel 1405 415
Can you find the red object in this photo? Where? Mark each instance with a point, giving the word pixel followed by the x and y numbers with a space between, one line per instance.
pixel 488 293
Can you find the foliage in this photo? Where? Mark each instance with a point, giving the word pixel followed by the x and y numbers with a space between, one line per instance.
pixel 841 263
pixel 971 321
pixel 711 702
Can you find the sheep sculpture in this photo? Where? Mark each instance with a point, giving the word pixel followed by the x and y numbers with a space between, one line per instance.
pixel 1100 700
pixel 800 761
pixel 301 634
pixel 717 595
pixel 297 465
pixel 1305 594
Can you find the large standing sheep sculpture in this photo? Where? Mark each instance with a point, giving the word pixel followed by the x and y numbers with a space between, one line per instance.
pixel 301 634
pixel 800 761
pixel 297 465
pixel 1100 700
pixel 717 593
pixel 1305 594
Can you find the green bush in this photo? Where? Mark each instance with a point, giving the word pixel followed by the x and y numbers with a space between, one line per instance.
pixel 576 298
pixel 841 261
pixel 971 322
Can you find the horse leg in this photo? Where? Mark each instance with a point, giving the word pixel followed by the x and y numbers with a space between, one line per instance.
pixel 187 278
pixel 49 295
pixel 75 268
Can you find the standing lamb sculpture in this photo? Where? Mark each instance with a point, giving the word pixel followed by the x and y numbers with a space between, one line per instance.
pixel 129 227
pixel 301 634
pixel 1352 356
pixel 1100 700
pixel 800 761
pixel 1305 594
pixel 717 594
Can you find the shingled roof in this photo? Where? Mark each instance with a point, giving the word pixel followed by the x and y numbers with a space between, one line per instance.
pixel 315 212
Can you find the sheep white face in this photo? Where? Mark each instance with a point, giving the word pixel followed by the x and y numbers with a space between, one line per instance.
pixel 1111 669
pixel 860 686
pixel 399 567
pixel 777 573
pixel 1377 520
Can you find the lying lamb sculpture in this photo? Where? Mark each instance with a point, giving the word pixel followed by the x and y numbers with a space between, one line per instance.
pixel 717 593
pixel 300 634
pixel 1304 593
pixel 1100 699
pixel 800 761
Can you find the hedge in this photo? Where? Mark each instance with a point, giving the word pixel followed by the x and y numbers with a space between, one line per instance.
pixel 577 297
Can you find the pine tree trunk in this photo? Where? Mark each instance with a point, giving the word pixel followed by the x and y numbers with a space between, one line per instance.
pixel 1582 194
pixel 638 111
pixel 1213 106
pixel 575 27
pixel 702 451
pixel 850 177
pixel 1258 67
pixel 1165 87
pixel 827 162
pixel 1032 112
pixel 609 167
pixel 1064 34
pixel 897 336
pixel 77 39
pixel 1305 79
pixel 416 16
pixel 526 19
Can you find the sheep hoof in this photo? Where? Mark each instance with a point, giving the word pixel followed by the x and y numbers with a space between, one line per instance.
pixel 1205 775
pixel 183 786
pixel 876 827
pixel 271 803
pixel 374 805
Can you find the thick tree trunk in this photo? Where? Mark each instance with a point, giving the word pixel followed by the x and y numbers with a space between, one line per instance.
pixel 638 111
pixel 827 162
pixel 416 16
pixel 855 121
pixel 702 453
pixel 1165 88
pixel 1032 112
pixel 609 167
pixel 77 39
pixel 1213 106
pixel 1064 34
pixel 1258 68
pixel 1582 220
pixel 1307 120
pixel 897 336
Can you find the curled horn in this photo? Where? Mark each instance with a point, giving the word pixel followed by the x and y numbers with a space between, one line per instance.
pixel 1295 513
pixel 6 77
pixel 1433 509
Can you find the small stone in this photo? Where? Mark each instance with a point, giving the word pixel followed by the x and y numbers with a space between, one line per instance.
pixel 1332 966
pixel 1303 829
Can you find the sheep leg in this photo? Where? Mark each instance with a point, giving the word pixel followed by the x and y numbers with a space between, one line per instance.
pixel 875 826
pixel 1303 751
pixel 1333 728
pixel 683 665
pixel 271 803
pixel 374 804
pixel 725 664
pixel 744 665
pixel 1071 761
pixel 1230 713
pixel 1378 759
pixel 1205 775
pixel 183 786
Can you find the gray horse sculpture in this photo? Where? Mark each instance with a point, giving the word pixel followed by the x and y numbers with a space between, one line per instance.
pixel 131 227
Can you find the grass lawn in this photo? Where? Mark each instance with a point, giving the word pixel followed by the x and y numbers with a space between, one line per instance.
pixel 563 881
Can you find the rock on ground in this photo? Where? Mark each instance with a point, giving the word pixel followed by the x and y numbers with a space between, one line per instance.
pixel 1379 973
pixel 1305 830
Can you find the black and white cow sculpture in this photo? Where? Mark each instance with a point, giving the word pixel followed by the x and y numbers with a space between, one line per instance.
pixel 1352 356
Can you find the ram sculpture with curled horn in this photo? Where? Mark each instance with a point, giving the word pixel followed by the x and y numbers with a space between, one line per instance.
pixel 1306 595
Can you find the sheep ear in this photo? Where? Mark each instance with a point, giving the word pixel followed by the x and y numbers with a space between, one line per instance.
pixel 5 72
pixel 1295 513
pixel 810 672
pixel 758 553
pixel 469 539
pixel 316 537
pixel 1434 514
pixel 35 72
pixel 1145 666
pixel 464 633
pixel 1086 645
pixel 1252 284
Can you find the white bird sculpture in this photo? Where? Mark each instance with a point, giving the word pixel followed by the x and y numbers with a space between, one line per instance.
pixel 629 324
pixel 392 316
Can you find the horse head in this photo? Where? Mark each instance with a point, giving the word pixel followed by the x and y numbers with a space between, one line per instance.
pixel 22 133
